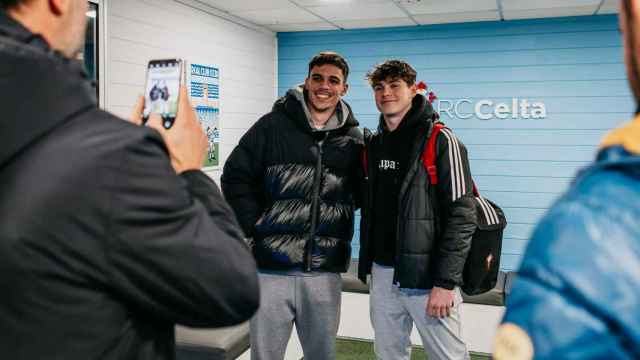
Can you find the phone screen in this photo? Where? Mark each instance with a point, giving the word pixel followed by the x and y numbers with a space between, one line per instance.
pixel 162 88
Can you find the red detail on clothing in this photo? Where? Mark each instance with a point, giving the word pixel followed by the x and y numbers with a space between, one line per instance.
pixel 475 190
pixel 429 153
pixel 429 157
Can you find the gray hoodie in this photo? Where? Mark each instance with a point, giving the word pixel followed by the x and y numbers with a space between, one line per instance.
pixel 336 120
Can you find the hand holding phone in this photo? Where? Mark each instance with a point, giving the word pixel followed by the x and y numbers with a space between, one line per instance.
pixel 162 90
pixel 186 141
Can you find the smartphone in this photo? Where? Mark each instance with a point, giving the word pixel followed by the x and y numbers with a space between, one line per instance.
pixel 162 87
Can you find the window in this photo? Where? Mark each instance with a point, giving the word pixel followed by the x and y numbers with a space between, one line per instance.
pixel 92 53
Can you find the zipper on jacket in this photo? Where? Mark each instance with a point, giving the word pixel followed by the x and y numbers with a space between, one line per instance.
pixel 367 208
pixel 315 206
pixel 399 241
pixel 396 277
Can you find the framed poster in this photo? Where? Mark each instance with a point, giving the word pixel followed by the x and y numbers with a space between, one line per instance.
pixel 205 98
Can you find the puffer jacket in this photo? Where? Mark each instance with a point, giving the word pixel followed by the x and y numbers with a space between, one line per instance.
pixel 294 188
pixel 431 248
pixel 577 294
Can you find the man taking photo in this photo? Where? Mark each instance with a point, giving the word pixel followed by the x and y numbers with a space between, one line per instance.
pixel 109 232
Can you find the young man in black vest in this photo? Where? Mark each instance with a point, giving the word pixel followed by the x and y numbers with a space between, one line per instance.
pixel 414 236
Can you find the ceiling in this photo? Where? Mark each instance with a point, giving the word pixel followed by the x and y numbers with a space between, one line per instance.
pixel 307 15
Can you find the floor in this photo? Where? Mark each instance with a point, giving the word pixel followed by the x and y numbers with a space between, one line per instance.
pixel 361 350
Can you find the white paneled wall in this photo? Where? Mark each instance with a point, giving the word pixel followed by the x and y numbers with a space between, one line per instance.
pixel 140 30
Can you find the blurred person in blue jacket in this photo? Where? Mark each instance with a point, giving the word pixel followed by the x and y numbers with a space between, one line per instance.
pixel 577 295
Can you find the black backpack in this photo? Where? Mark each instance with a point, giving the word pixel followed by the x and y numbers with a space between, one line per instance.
pixel 482 266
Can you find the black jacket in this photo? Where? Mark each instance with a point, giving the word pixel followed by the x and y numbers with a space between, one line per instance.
pixel 293 189
pixel 391 162
pixel 102 247
pixel 430 249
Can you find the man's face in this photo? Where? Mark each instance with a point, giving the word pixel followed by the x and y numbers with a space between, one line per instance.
pixel 325 86
pixel 74 21
pixel 393 96
pixel 630 39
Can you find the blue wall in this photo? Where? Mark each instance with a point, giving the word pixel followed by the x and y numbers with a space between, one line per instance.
pixel 573 65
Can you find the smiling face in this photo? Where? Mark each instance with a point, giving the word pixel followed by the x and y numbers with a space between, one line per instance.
pixel 325 86
pixel 394 97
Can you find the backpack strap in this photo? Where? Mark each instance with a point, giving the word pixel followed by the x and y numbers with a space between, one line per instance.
pixel 429 156
pixel 429 153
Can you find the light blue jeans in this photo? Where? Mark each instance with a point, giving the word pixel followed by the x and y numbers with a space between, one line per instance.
pixel 394 311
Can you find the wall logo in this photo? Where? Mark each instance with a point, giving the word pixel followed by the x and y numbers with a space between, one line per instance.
pixel 484 109
pixel 487 109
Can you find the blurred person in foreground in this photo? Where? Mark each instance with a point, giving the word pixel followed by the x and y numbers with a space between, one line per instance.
pixel 577 295
pixel 109 232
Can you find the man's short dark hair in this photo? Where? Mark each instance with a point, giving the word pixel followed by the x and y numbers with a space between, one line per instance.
pixel 5 4
pixel 331 58
pixel 392 70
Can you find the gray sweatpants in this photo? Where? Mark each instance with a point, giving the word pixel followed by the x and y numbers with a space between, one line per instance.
pixel 395 310
pixel 311 301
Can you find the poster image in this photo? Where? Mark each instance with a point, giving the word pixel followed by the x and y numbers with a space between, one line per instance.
pixel 205 98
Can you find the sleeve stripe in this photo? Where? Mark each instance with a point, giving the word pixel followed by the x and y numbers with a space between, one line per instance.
pixel 492 212
pixel 484 211
pixel 460 175
pixel 461 178
pixel 458 182
pixel 455 169
pixel 452 168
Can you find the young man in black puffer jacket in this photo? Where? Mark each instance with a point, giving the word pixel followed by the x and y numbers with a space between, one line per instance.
pixel 292 182
pixel 414 236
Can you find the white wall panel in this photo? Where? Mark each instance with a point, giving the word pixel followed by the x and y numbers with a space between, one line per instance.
pixel 140 30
